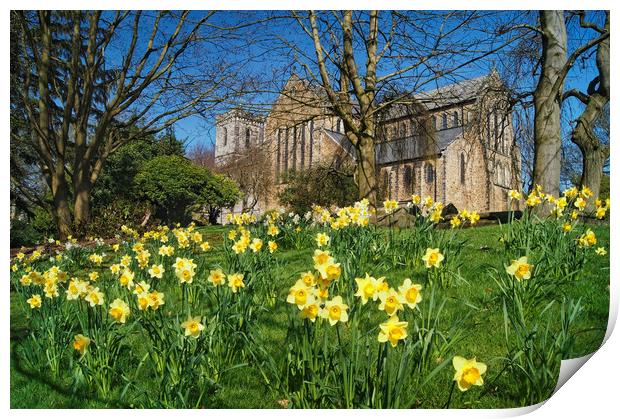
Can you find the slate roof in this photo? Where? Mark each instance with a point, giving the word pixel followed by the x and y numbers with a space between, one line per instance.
pixel 453 93
pixel 407 148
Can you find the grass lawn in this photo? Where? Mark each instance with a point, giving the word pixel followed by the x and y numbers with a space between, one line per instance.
pixel 476 301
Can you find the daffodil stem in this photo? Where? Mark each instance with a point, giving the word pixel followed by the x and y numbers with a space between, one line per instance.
pixel 447 406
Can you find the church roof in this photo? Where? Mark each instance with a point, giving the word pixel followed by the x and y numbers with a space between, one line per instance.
pixel 407 148
pixel 454 93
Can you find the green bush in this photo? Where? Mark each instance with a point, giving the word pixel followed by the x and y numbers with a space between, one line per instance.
pixel 32 229
pixel 176 187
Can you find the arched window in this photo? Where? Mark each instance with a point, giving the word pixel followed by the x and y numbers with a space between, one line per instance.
pixel 430 173
pixel 444 121
pixel 462 168
pixel 247 138
pixel 455 119
pixel 434 122
pixel 225 136
pixel 408 179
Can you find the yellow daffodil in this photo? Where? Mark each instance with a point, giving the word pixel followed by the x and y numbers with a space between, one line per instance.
pixel 520 269
pixel 322 239
pixel 205 246
pixel 601 251
pixel 322 260
pixel 532 200
pixel 235 281
pixel 335 311
pixel 34 301
pixel 580 203
pixel 474 217
pixel 115 268
pixel 76 289
pixel 411 293
pixel 157 271
pixel 432 258
pixel 141 288
pixel 96 259
pixel 571 192
pixel 311 310
pixel 393 330
pixel 185 270
pixel 435 216
pixel 125 261
pixel 391 302
pixel 256 245
pixel 600 213
pixel 119 310
pixel 216 277
pixel 390 206
pixel 273 246
pixel 468 372
pixel 516 195
pixel 455 222
pixel 587 239
pixel 94 297
pixel 367 288
pixel 333 271
pixel 25 280
pixel 156 299
pixel 308 278
pixel 299 294
pixel 80 343
pixel 272 230
pixel 126 278
pixel 192 326
pixel 166 251
pixel 585 192
pixel 197 237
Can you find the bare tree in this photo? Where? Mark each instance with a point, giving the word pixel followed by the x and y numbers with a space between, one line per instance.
pixel 555 64
pixel 202 155
pixel 594 151
pixel 93 81
pixel 358 55
pixel 249 168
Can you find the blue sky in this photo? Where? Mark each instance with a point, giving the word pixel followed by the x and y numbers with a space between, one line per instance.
pixel 268 58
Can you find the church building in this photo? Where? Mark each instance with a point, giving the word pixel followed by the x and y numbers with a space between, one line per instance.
pixel 454 144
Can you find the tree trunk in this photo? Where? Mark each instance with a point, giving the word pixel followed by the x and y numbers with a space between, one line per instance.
pixel 62 213
pixel 81 206
pixel 366 171
pixel 547 103
pixel 594 153
pixel 593 161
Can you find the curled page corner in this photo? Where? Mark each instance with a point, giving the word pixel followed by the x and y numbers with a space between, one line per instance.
pixel 568 368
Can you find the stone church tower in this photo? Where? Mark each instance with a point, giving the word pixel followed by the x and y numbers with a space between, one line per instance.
pixel 235 131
